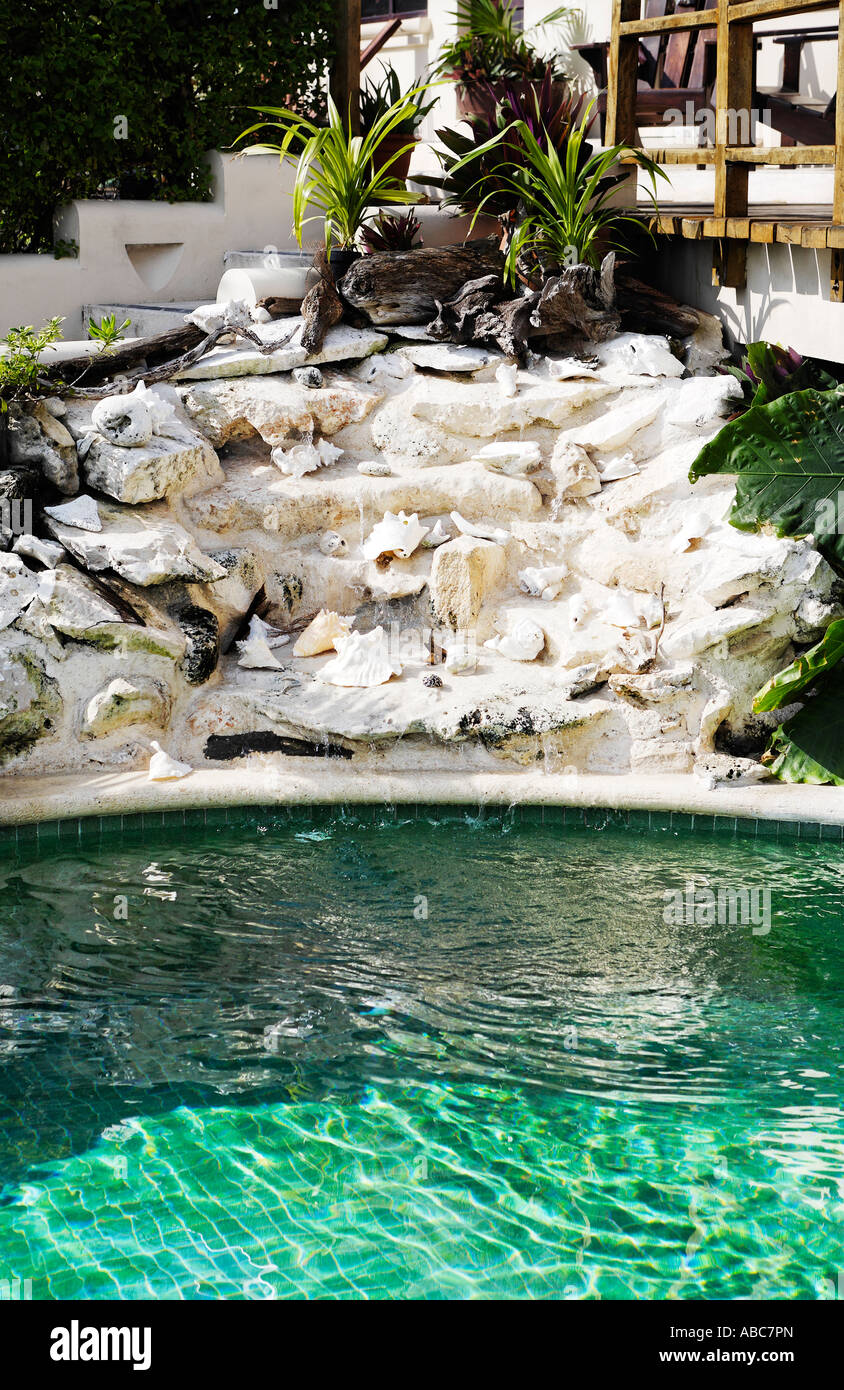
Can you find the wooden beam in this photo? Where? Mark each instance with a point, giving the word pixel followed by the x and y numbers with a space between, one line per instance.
pixel 766 9
pixel 622 78
pixel 781 154
pixel 836 283
pixel 383 36
pixel 671 155
pixel 666 24
pixel 729 264
pixel 345 70
pixel 838 195
pixel 733 92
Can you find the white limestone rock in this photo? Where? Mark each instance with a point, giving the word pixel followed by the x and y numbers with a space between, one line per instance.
pixel 446 357
pixel 517 458
pixel 574 471
pixel 124 704
pixel 274 407
pixel 49 553
pixel 18 587
pixel 342 344
pixel 618 425
pixel 140 544
pixel 82 514
pixel 639 354
pixel 464 573
pixel 470 408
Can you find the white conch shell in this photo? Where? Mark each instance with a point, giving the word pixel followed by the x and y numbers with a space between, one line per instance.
pixel 524 643
pixel 578 610
pixel 233 313
pixel 568 369
pixel 507 376
pixel 332 543
pixel 631 610
pixel 305 458
pixel 81 512
pixel 321 635
pixel 516 458
pixel 623 467
pixel 481 533
pixel 436 536
pixel 363 659
pixel 255 650
pixel 395 535
pixel 163 768
pixel 544 582
pixel 130 421
pixel 574 470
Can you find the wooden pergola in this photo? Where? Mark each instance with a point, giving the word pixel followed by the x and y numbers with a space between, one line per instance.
pixel 731 225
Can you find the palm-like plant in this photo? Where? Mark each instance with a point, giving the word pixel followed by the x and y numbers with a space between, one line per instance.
pixel 491 46
pixel 335 174
pixel 564 211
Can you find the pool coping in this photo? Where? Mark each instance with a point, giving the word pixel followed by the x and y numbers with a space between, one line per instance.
pixel 805 812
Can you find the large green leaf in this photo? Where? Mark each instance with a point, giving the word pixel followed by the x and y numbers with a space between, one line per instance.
pixel 782 688
pixel 810 747
pixel 788 458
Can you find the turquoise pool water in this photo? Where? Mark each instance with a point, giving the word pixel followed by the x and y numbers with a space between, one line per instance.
pixel 419 1056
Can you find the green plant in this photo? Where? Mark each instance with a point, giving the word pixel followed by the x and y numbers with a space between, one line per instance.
pixel 109 89
pixel 20 369
pixel 787 454
pixel 334 168
pixel 788 459
pixel 769 371
pixel 388 233
pixel 107 331
pixel 549 112
pixel 564 215
pixel 378 97
pixel 490 45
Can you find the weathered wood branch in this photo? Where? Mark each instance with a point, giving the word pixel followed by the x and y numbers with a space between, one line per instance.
pixel 322 306
pixel 648 310
pixel 408 286
pixel 121 357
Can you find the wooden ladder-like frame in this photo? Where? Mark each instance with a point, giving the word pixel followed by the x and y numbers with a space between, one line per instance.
pixel 729 224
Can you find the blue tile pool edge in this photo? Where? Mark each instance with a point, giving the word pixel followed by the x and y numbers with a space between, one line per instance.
pixel 92 828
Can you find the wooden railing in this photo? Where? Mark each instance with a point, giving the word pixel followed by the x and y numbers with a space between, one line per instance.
pixel 730 224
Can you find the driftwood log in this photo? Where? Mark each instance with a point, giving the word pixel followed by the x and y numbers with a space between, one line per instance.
pixel 322 306
pixel 408 286
pixel 578 303
pixel 85 370
pixel 647 310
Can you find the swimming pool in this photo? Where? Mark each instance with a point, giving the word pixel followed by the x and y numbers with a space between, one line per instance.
pixel 420 1054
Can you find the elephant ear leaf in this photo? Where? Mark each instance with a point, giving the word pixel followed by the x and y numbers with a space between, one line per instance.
pixel 788 458
pixel 782 688
pixel 810 747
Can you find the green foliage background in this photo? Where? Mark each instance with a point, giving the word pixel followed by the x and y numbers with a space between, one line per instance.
pixel 182 73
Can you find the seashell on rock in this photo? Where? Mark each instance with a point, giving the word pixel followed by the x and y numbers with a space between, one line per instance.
pixel 481 533
pixel 617 469
pixel 163 768
pixel 233 313
pixel 516 458
pixel 305 458
pixel 507 376
pixel 544 582
pixel 631 610
pixel 570 369
pixel 363 660
pixel 81 512
pixel 130 421
pixel 524 643
pixel 578 611
pixel 694 527
pixel 256 649
pixel 322 633
pixel 332 543
pixel 375 468
pixel 461 659
pixel 436 536
pixel 395 535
